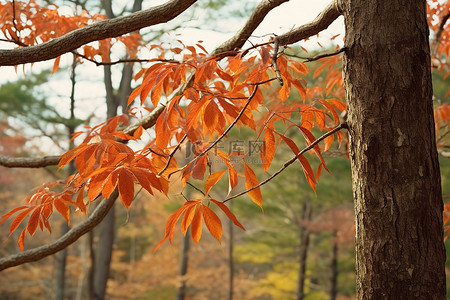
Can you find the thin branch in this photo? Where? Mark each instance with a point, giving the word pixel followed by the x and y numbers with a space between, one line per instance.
pixel 320 56
pixel 291 161
pixel 212 145
pixel 172 154
pixel 70 237
pixel 258 15
pixel 320 23
pixel 274 61
pixel 100 30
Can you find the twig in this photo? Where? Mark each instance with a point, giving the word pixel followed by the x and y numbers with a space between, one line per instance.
pixel 317 57
pixel 291 161
pixel 276 44
pixel 172 154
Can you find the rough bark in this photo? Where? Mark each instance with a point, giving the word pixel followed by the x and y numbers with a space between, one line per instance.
pixel 395 169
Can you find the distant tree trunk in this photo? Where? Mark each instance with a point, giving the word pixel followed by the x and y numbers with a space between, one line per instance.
pixel 181 292
pixel 62 255
pixel 106 227
pixel 395 170
pixel 230 259
pixel 303 250
pixel 334 268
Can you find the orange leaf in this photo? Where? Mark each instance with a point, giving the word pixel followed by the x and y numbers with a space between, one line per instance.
pixel 212 180
pixel 6 216
pixel 196 226
pixel 170 225
pixel 211 115
pixel 227 212
pixel 309 173
pixel 212 222
pixel 269 148
pixel 188 216
pixel 21 240
pixel 62 208
pixel 126 188
pixel 18 219
pixel 285 90
pixel 33 221
pixel 232 179
pixel 250 182
pixel 56 64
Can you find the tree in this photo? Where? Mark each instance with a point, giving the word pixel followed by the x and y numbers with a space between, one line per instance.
pixel 387 80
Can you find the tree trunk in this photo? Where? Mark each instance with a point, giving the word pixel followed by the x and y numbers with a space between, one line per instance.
pixel 181 292
pixel 62 255
pixel 395 169
pixel 334 268
pixel 303 251
pixel 230 259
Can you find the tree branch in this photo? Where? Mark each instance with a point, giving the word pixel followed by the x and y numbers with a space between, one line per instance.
pixel 258 15
pixel 320 23
pixel 291 161
pixel 98 31
pixel 70 237
pixel 28 162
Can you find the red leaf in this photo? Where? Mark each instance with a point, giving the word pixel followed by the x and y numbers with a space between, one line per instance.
pixel 33 221
pixel 126 188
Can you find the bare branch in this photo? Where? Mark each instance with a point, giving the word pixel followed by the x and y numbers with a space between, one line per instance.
pixel 70 237
pixel 258 15
pixel 320 56
pixel 100 30
pixel 28 162
pixel 291 161
pixel 320 23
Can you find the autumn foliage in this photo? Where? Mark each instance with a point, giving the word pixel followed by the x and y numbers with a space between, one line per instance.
pixel 204 98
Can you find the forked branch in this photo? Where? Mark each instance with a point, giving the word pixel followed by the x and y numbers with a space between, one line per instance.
pixel 291 161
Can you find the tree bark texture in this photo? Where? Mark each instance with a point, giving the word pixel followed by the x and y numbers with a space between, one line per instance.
pixel 395 169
